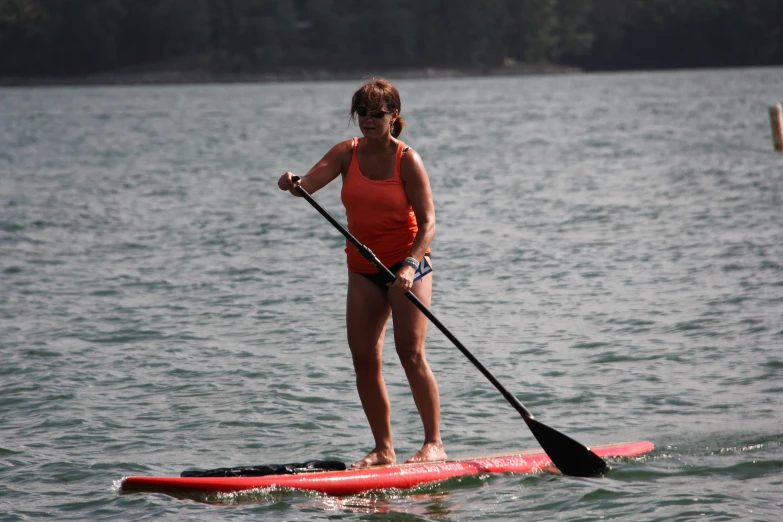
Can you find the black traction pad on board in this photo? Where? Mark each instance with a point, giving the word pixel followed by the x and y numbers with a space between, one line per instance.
pixel 311 466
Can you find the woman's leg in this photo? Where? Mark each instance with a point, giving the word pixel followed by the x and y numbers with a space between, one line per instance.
pixel 410 334
pixel 367 313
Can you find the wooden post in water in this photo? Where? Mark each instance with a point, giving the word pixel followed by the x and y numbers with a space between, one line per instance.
pixel 776 120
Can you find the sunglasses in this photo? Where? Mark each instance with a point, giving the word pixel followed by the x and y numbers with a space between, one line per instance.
pixel 364 112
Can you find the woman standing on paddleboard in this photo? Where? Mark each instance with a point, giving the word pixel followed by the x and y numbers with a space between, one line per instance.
pixel 388 204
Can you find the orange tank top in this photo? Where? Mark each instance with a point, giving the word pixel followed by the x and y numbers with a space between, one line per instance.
pixel 379 215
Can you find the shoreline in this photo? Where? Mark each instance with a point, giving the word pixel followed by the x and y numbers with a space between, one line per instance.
pixel 151 76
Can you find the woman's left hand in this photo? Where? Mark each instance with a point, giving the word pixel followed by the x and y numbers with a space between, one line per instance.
pixel 404 280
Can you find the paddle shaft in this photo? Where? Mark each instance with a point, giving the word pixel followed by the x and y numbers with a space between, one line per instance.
pixel 368 254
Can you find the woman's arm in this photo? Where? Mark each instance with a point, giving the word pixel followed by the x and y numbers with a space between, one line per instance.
pixel 417 188
pixel 334 163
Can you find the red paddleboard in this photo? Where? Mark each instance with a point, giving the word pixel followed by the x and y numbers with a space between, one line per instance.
pixel 353 481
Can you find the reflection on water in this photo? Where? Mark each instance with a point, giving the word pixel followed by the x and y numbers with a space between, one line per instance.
pixel 432 505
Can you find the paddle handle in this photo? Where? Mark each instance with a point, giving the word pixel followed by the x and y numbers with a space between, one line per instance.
pixel 368 254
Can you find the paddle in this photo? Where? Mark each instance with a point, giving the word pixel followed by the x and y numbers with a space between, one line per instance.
pixel 570 457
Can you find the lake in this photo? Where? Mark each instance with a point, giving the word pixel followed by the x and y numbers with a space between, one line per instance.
pixel 609 246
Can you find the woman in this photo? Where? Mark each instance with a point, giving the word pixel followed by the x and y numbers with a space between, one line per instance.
pixel 388 204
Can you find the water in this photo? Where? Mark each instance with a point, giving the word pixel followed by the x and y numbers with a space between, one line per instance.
pixel 610 246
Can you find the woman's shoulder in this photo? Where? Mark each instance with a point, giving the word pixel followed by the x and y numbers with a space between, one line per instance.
pixel 343 148
pixel 409 155
pixel 411 163
pixel 345 144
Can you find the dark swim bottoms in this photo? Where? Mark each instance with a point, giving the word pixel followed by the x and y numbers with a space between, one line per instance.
pixel 425 267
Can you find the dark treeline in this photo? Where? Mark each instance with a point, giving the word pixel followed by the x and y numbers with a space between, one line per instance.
pixel 76 37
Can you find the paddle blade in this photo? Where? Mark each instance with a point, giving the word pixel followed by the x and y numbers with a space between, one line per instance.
pixel 569 456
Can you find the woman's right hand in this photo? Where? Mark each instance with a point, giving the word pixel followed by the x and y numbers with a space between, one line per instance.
pixel 289 181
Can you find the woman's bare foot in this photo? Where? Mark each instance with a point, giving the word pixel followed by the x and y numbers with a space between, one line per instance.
pixel 430 452
pixel 376 458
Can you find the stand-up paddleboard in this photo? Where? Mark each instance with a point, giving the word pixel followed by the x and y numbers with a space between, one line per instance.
pixel 353 481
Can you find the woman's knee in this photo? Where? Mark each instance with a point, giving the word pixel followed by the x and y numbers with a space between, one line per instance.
pixel 412 359
pixel 366 362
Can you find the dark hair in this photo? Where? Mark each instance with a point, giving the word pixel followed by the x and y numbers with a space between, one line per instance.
pixel 376 94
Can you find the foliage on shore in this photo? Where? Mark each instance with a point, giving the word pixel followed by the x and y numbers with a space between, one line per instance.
pixel 214 38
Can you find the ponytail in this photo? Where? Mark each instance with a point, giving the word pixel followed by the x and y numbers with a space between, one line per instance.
pixel 397 126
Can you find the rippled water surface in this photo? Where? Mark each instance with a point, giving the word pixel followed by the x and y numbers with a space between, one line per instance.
pixel 609 246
